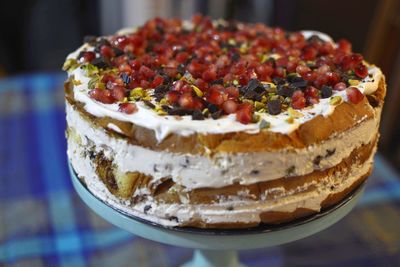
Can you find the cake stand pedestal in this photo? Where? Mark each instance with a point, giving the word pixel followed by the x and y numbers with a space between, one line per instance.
pixel 214 247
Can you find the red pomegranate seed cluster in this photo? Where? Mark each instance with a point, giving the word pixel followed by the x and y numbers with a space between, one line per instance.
pixel 218 68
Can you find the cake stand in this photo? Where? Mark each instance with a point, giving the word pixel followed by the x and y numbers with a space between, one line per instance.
pixel 215 247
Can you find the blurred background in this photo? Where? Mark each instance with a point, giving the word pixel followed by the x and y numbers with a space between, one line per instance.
pixel 44 223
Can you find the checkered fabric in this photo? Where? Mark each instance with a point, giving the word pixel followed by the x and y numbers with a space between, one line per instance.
pixel 44 223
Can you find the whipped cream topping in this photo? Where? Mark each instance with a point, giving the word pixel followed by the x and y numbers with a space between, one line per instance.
pixel 199 171
pixel 185 125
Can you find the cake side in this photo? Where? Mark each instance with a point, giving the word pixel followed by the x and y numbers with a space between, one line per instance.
pixel 218 124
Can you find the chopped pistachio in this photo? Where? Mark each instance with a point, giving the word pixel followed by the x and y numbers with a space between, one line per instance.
pixel 90 69
pixel 264 58
pixel 100 85
pixel 248 101
pixel 264 124
pixel 205 112
pixel 76 82
pixel 197 90
pixel 259 105
pixel 335 100
pixel 70 64
pixel 290 120
pixel 354 82
pixel 163 101
pixel 235 82
pixel 92 83
pixel 263 110
pixel 295 113
pixel 137 93
pixel 125 100
pixel 256 118
pixel 232 41
pixel 264 99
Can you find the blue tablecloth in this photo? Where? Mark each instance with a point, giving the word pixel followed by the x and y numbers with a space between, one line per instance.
pixel 44 223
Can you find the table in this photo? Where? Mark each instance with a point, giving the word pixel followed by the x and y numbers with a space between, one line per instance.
pixel 44 223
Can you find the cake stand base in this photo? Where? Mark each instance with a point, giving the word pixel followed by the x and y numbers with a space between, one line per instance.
pixel 214 258
pixel 216 247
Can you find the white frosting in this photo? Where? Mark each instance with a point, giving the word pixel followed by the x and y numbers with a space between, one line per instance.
pixel 198 171
pixel 165 125
pixel 245 211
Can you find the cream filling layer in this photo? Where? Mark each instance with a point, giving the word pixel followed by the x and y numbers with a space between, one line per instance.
pixel 223 169
pixel 244 211
pixel 165 125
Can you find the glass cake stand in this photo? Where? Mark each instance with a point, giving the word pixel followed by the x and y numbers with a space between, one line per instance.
pixel 215 247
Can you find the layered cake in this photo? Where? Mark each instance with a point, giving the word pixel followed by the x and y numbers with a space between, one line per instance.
pixel 220 124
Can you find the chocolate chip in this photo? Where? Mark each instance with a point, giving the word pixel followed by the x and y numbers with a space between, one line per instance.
pixel 235 57
pixel 255 172
pixel 274 107
pixel 197 115
pixel 285 90
pixel 326 91
pixel 219 81
pixel 118 52
pixel 173 218
pixel 230 208
pixel 149 104
pixel 100 62
pixel 216 114
pixel 317 160
pixel 299 82
pixel 330 152
pixel 146 209
pixel 212 108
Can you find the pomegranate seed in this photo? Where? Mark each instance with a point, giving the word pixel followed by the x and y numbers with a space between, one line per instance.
pixel 209 75
pixel 229 106
pixel 182 57
pixel 128 108
pixel 340 86
pixel 173 97
pixel 118 92
pixel 361 71
pixel 344 46
pixel 186 101
pixel 298 100
pixel 309 53
pixel 101 95
pixel 311 91
pixel 135 64
pixel 106 51
pixel 302 70
pixel 158 80
pixel 107 78
pixel 147 72
pixel 88 56
pixel 244 113
pixel 233 92
pixel 215 97
pixel 354 95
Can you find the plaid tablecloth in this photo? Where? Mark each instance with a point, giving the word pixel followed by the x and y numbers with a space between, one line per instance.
pixel 44 223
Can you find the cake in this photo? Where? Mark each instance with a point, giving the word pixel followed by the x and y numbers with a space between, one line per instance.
pixel 220 124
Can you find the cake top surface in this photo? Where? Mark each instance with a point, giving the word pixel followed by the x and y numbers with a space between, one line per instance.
pixel 217 76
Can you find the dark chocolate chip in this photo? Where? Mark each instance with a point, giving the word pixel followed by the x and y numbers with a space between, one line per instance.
pixel 230 208
pixel 285 90
pixel 216 114
pixel 255 172
pixel 330 152
pixel 149 104
pixel 197 115
pixel 118 52
pixel 146 209
pixel 235 57
pixel 274 107
pixel 326 91
pixel 317 160
pixel 100 62
pixel 219 81
pixel 212 108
